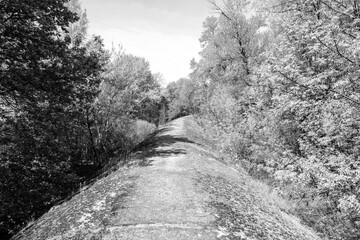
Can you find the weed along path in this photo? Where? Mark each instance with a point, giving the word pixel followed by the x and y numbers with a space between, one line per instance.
pixel 175 188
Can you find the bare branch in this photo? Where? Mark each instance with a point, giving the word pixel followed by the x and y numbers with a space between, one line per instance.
pixel 219 9
pixel 349 34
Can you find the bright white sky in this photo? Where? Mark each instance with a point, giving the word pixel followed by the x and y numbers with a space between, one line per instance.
pixel 165 32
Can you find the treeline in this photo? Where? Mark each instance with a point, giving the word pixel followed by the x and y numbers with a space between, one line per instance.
pixel 68 107
pixel 278 86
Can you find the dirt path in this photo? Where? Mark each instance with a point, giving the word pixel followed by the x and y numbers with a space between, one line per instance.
pixel 166 202
pixel 176 189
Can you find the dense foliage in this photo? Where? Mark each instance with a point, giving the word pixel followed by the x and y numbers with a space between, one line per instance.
pixel 128 91
pixel 67 107
pixel 277 84
pixel 182 98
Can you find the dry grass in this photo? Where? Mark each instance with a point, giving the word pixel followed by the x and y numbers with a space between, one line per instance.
pixel 142 129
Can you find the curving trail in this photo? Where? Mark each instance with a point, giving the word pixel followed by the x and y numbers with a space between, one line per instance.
pixel 174 189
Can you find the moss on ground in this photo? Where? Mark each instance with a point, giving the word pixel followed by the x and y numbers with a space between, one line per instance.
pixel 87 215
pixel 241 213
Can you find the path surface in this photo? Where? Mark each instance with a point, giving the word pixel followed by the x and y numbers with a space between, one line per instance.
pixel 175 189
pixel 166 203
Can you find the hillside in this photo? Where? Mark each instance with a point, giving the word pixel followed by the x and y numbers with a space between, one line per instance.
pixel 175 188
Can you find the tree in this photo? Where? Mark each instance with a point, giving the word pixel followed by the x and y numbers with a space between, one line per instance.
pixel 46 91
pixel 183 98
pixel 128 91
pixel 31 28
pixel 230 42
pixel 280 90
pixel 77 31
pixel 316 66
pixel 130 88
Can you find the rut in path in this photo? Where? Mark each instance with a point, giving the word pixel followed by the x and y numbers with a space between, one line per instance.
pixel 175 189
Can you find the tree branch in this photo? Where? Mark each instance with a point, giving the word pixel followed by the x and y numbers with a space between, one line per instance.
pixel 217 8
pixel 334 10
pixel 337 51
pixel 307 87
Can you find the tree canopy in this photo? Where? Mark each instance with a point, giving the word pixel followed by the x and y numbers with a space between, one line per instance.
pixel 54 90
pixel 277 86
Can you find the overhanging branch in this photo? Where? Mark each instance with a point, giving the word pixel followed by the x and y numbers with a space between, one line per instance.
pixel 307 87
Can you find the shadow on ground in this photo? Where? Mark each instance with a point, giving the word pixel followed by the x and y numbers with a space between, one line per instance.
pixel 159 144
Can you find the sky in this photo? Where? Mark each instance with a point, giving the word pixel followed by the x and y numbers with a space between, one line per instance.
pixel 164 32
